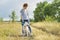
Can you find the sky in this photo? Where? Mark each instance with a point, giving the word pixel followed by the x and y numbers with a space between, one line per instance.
pixel 7 6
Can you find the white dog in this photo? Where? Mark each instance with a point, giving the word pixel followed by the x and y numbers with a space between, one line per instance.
pixel 26 29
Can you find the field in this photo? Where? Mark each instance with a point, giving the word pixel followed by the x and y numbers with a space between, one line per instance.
pixel 40 31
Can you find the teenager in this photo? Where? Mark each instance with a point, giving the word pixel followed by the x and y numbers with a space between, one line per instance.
pixel 25 17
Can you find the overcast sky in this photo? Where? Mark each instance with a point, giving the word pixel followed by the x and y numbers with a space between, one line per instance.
pixel 7 6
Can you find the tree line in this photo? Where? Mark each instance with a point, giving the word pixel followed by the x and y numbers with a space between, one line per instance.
pixel 13 16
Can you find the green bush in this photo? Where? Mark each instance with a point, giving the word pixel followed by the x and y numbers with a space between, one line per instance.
pixel 49 18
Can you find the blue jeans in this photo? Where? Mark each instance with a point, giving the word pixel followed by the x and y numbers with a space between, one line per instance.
pixel 23 26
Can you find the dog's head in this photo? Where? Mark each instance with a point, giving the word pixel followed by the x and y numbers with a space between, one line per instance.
pixel 26 23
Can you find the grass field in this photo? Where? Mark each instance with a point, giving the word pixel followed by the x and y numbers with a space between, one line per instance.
pixel 40 31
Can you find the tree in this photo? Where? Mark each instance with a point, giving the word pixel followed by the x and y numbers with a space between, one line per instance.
pixel 39 11
pixel 45 10
pixel 13 16
pixel 57 6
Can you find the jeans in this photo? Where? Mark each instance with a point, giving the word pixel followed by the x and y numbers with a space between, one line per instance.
pixel 23 26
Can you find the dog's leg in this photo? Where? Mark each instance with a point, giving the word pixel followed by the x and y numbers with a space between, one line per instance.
pixel 28 32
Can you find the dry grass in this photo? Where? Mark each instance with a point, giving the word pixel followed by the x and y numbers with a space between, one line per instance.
pixel 12 31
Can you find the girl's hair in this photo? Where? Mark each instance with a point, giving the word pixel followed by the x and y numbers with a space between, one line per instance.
pixel 25 5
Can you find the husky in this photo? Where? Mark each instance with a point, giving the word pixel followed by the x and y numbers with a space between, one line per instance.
pixel 26 29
